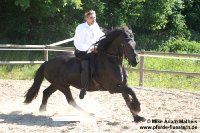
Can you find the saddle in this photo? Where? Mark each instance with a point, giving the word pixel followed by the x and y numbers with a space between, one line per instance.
pixel 90 57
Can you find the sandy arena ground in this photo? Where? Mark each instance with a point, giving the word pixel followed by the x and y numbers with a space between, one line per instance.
pixel 111 113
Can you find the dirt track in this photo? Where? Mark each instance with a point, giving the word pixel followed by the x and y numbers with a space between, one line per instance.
pixel 111 113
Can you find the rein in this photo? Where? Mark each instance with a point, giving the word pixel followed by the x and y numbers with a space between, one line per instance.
pixel 112 55
pixel 115 56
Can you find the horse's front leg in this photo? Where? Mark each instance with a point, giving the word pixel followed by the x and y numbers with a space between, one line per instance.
pixel 125 76
pixel 133 104
pixel 134 107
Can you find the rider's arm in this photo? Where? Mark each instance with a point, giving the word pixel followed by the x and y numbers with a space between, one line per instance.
pixel 99 31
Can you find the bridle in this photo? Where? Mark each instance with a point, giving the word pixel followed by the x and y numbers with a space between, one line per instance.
pixel 123 51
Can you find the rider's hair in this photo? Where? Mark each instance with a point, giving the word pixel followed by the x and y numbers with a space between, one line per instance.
pixel 90 12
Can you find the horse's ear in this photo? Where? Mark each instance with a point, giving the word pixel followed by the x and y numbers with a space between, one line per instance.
pixel 105 30
pixel 126 27
pixel 129 27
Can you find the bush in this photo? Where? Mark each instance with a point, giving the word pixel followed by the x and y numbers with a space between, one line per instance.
pixel 151 41
pixel 180 45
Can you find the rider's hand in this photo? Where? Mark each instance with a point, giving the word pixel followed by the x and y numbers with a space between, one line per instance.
pixel 92 49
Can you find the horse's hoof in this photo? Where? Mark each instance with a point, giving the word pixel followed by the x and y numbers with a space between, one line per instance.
pixel 138 118
pixel 42 108
pixel 82 94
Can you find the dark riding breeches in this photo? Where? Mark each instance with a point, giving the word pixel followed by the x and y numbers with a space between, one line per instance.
pixel 87 67
pixel 84 73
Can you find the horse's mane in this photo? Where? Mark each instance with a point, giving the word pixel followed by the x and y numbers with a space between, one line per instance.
pixel 108 38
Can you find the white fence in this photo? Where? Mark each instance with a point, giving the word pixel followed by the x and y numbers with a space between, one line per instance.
pixel 142 55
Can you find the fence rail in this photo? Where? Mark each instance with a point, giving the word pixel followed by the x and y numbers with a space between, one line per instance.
pixel 142 55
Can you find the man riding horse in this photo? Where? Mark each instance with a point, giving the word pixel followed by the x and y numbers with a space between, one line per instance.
pixel 87 34
pixel 63 71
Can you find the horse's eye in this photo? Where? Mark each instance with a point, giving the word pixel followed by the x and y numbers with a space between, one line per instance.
pixel 131 36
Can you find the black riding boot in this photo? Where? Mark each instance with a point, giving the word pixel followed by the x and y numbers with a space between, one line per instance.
pixel 84 77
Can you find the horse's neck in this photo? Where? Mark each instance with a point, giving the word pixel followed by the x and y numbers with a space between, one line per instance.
pixel 111 53
pixel 114 47
pixel 104 57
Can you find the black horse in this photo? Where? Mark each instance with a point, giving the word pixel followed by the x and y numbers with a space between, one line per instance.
pixel 63 71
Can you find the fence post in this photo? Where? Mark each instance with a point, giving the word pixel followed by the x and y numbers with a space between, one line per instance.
pixel 141 82
pixel 46 55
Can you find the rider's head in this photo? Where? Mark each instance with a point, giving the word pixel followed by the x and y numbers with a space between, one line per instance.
pixel 90 17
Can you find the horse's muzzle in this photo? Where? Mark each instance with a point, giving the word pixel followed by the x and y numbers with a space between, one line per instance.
pixel 135 61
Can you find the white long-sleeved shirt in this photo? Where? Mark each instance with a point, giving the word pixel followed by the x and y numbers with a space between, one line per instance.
pixel 86 35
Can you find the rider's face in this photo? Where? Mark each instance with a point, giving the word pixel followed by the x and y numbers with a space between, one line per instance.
pixel 90 19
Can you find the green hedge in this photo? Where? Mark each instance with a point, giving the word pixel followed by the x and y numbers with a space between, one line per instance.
pixel 181 45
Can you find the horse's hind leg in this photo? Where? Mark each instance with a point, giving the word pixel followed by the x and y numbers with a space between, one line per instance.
pixel 46 94
pixel 67 92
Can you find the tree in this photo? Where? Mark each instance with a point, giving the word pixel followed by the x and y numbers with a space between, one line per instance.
pixel 192 13
pixel 46 21
pixel 37 21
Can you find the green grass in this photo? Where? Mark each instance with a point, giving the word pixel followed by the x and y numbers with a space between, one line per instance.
pixel 166 81
pixel 181 82
pixel 21 55
pixel 22 72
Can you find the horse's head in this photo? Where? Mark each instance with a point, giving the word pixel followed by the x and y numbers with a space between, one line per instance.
pixel 119 43
pixel 128 44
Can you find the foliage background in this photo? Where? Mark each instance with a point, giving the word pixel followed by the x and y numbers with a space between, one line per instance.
pixel 159 25
pixel 155 22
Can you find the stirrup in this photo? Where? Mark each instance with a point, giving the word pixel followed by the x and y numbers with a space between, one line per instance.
pixel 82 93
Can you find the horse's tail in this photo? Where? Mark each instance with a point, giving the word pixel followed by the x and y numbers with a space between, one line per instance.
pixel 33 91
